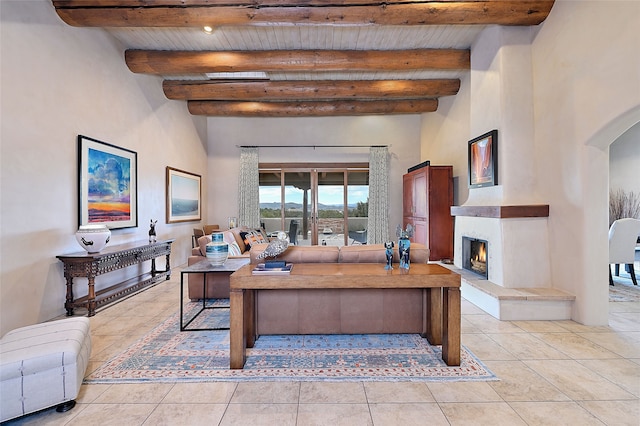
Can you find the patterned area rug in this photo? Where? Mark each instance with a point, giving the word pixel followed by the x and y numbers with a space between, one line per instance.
pixel 168 355
pixel 623 289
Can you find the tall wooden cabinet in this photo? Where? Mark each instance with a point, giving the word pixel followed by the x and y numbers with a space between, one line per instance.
pixel 426 203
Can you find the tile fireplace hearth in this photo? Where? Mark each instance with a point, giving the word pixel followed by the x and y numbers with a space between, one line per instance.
pixel 514 281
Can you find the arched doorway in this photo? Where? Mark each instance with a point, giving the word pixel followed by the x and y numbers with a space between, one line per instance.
pixel 596 213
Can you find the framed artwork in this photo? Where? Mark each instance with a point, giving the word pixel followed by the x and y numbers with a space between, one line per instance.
pixel 483 160
pixel 183 196
pixel 107 184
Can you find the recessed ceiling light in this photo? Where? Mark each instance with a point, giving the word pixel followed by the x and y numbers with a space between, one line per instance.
pixel 207 29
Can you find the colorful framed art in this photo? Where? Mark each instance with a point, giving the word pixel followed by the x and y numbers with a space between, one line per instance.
pixel 107 184
pixel 483 160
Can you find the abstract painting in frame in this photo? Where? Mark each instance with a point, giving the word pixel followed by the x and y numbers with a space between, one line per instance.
pixel 483 160
pixel 107 184
pixel 183 196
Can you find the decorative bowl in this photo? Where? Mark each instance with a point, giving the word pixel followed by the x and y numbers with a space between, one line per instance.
pixel 93 238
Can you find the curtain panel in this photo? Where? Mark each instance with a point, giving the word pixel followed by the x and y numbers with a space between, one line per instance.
pixel 378 226
pixel 248 189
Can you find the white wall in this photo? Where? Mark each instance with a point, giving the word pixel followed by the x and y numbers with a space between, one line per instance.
pixel 624 161
pixel 444 135
pixel 402 132
pixel 58 82
pixel 586 93
pixel 584 81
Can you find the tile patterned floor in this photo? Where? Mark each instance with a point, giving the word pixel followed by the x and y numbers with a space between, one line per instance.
pixel 552 373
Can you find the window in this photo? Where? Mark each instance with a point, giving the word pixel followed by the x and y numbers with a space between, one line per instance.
pixel 318 203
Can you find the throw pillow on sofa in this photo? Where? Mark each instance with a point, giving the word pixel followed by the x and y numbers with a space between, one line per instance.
pixel 234 249
pixel 252 237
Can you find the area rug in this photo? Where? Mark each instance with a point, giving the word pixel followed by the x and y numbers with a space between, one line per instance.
pixel 167 355
pixel 623 289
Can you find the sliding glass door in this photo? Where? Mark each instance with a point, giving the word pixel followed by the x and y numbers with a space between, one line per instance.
pixel 315 205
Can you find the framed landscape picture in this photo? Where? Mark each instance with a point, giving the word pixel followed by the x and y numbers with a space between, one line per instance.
pixel 483 160
pixel 107 184
pixel 183 196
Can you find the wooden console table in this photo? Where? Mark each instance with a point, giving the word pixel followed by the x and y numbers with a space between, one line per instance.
pixel 441 297
pixel 90 265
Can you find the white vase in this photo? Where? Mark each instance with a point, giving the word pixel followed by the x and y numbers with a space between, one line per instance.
pixel 217 249
pixel 93 238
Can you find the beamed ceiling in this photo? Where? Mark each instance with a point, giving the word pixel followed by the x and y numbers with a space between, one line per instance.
pixel 302 58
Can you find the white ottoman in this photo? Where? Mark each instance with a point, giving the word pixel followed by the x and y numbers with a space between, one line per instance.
pixel 43 365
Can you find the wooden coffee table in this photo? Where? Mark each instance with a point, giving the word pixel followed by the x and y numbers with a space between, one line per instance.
pixel 441 287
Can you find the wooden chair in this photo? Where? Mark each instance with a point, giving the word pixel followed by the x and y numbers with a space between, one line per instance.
pixel 210 229
pixel 197 233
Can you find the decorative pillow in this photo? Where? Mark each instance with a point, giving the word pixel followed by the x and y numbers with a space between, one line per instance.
pixel 252 237
pixel 234 249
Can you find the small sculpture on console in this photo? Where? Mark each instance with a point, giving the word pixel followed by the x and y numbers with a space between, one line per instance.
pixel 404 245
pixel 152 231
pixel 389 252
pixel 275 247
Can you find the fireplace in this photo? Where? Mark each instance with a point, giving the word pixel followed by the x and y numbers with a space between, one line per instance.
pixel 475 256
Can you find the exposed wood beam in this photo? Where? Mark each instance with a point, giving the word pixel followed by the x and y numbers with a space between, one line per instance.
pixel 310 109
pixel 189 62
pixel 189 13
pixel 309 90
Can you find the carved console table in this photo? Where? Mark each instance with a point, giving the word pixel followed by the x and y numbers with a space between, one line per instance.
pixel 90 265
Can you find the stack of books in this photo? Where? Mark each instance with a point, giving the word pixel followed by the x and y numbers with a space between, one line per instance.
pixel 272 268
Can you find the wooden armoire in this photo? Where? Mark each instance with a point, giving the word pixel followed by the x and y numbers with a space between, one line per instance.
pixel 426 205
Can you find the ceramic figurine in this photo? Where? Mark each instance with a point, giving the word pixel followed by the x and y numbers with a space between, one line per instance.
pixel 389 252
pixel 152 231
pixel 404 245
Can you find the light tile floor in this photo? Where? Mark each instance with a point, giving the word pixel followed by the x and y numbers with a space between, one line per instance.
pixel 551 373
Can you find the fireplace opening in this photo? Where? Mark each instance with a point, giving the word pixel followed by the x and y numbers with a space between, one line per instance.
pixel 475 256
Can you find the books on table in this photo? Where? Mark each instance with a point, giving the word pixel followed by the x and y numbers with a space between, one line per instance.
pixel 272 269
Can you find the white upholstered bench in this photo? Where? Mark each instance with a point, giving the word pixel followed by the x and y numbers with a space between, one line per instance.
pixel 43 365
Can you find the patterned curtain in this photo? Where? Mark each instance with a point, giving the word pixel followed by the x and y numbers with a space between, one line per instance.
pixel 378 227
pixel 248 189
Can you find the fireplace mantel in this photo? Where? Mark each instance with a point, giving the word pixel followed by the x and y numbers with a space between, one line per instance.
pixel 502 212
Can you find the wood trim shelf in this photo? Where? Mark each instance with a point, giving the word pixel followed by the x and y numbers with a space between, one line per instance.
pixel 502 212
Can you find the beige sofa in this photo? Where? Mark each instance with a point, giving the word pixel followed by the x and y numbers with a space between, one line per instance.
pixel 217 284
pixel 340 311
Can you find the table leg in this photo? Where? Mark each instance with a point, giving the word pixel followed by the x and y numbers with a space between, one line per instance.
pixel 181 301
pixel 451 325
pixel 237 337
pixel 91 298
pixel 434 315
pixel 250 317
pixel 69 302
pixel 153 267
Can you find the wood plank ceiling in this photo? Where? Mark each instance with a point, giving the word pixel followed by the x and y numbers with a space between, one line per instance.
pixel 302 58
